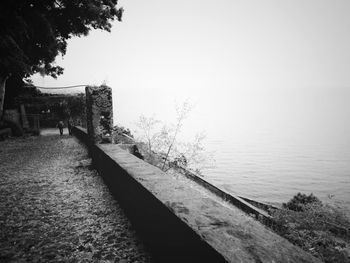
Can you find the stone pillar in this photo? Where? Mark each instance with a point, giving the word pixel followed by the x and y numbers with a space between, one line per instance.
pixel 99 113
pixel 25 123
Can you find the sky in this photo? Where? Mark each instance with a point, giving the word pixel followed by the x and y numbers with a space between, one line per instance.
pixel 245 65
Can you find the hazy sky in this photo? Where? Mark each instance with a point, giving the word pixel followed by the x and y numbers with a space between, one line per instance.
pixel 245 64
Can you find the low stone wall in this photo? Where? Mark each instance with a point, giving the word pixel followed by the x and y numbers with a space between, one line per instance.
pixel 178 223
pixel 241 203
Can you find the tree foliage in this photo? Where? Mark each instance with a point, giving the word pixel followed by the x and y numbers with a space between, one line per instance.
pixel 34 32
pixel 16 92
pixel 299 202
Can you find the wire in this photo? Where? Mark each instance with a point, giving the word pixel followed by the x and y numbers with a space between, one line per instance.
pixel 66 87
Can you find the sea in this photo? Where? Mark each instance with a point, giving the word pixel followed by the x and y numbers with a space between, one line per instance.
pixel 268 145
pixel 272 171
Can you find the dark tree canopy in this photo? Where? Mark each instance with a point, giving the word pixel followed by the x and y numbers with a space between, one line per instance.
pixel 34 32
pixel 14 89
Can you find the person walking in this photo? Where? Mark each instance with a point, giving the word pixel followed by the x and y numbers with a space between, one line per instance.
pixel 70 126
pixel 60 126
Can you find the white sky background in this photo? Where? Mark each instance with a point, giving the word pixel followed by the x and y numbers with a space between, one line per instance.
pixel 248 66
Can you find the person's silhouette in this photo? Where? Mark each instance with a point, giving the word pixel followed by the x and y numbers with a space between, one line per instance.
pixel 70 125
pixel 60 126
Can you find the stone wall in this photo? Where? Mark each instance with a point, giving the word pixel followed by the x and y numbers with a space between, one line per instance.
pixel 180 221
pixel 99 113
pixel 12 118
pixel 13 115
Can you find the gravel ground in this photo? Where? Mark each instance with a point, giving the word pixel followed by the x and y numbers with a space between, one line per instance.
pixel 55 208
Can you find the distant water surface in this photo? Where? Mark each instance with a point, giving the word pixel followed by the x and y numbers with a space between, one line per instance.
pixel 273 171
pixel 271 146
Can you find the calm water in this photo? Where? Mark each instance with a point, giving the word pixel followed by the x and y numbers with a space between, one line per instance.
pixel 268 147
pixel 269 170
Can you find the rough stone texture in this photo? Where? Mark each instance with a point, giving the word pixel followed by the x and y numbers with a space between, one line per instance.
pixel 99 113
pixel 25 123
pixel 55 208
pixel 235 235
pixel 12 115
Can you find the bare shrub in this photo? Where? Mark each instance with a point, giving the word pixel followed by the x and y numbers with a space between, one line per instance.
pixel 160 145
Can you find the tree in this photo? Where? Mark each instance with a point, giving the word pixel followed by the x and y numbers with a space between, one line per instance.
pixel 15 91
pixel 147 126
pixel 161 147
pixel 34 32
pixel 182 113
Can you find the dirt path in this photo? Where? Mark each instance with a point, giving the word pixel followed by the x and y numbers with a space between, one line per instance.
pixel 54 207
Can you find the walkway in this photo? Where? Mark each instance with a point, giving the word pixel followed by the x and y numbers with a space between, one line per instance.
pixel 55 207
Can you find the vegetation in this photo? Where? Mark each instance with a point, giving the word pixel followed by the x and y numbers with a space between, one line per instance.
pixel 122 135
pixel 53 107
pixel 321 229
pixel 33 33
pixel 16 92
pixel 182 113
pixel 300 201
pixel 160 146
